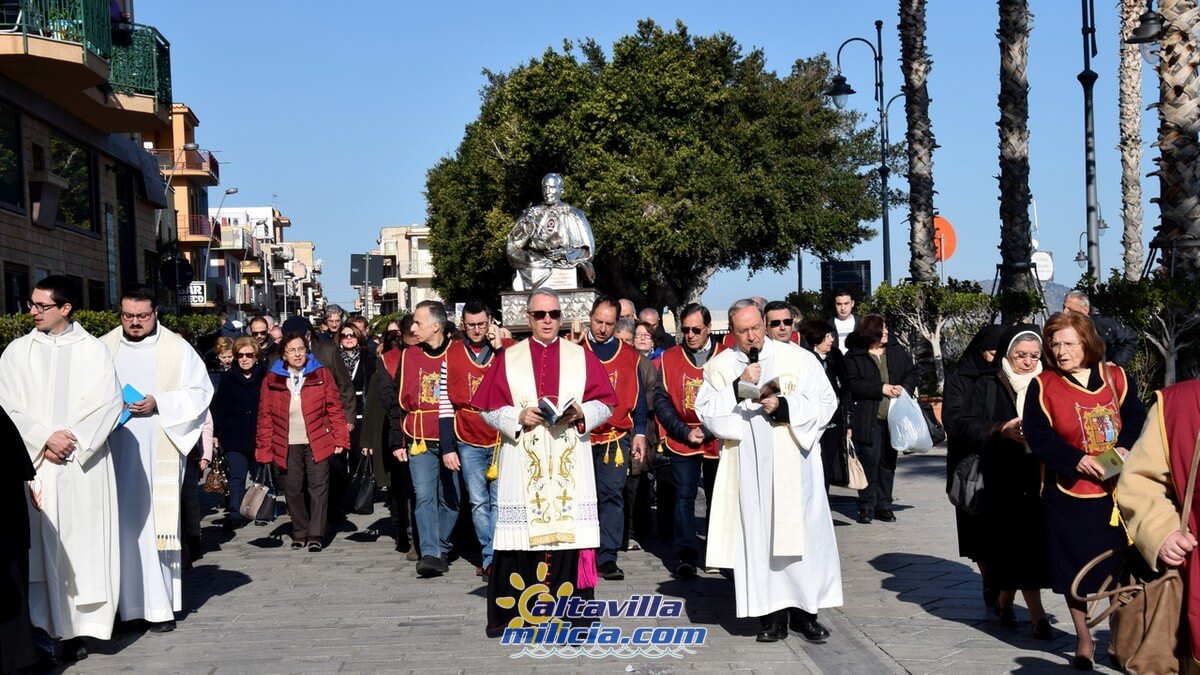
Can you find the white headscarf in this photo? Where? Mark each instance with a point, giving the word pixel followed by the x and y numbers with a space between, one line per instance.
pixel 1019 383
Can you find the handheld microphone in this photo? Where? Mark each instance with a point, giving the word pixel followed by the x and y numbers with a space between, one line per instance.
pixel 752 355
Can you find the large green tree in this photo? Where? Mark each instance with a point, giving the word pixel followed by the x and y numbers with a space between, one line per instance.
pixel 685 153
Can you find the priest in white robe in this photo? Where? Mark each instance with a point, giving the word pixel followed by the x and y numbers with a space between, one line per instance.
pixel 770 516
pixel 546 498
pixel 58 385
pixel 149 451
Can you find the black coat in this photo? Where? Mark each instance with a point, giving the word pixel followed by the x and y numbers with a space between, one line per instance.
pixel 834 364
pixel 235 409
pixel 1120 341
pixel 866 386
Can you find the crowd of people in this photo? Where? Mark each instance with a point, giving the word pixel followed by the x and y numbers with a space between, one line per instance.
pixel 561 450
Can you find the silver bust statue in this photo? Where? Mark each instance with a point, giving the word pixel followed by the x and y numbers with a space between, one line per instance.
pixel 553 235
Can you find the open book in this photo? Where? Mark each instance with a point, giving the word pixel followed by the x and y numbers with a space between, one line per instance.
pixel 552 412
pixel 757 393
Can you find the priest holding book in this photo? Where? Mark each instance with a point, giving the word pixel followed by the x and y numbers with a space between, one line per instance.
pixel 768 403
pixel 546 498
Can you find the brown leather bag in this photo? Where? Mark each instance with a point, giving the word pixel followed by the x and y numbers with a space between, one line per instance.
pixel 217 480
pixel 1145 614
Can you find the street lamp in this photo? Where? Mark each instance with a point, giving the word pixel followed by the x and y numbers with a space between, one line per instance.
pixel 1087 77
pixel 1148 31
pixel 212 229
pixel 840 91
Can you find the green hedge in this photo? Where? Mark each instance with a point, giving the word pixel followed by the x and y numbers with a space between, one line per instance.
pixel 13 326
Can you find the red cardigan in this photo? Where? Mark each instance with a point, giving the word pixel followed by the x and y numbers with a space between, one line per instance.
pixel 324 418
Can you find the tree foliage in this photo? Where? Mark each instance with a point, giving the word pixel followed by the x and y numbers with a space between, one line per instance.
pixel 99 322
pixel 1163 309
pixel 685 153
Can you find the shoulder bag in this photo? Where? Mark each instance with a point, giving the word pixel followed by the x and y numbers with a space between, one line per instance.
pixel 259 503
pixel 217 480
pixel 854 469
pixel 360 493
pixel 1145 614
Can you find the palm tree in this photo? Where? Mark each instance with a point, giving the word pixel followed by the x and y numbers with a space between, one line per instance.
pixel 1178 168
pixel 1016 245
pixel 915 63
pixel 1130 108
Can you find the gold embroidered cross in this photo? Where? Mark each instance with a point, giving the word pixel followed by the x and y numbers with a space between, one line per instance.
pixel 538 501
pixel 564 498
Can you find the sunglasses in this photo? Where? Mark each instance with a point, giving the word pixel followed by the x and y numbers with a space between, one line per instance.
pixel 692 331
pixel 350 336
pixel 774 323
pixel 258 333
pixel 541 314
pixel 246 355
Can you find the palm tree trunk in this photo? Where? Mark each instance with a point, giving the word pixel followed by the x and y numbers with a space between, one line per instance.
pixel 1130 106
pixel 916 64
pixel 1016 245
pixel 1179 120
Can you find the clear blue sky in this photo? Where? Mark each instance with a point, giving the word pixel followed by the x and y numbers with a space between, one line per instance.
pixel 340 108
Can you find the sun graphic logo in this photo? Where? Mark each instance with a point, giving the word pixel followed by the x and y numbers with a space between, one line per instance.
pixel 531 596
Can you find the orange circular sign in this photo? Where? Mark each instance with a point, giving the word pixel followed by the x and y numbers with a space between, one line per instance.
pixel 945 241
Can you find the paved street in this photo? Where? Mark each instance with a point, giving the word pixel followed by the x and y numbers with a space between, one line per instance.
pixel 253 605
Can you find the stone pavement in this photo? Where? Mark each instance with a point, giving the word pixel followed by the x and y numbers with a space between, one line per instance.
pixel 251 605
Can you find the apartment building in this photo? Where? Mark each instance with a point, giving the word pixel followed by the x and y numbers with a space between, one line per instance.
pixel 407 268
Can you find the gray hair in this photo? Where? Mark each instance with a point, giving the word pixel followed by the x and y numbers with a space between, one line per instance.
pixel 649 311
pixel 436 310
pixel 1022 337
pixel 334 309
pixel 743 304
pixel 1080 297
pixel 624 324
pixel 545 292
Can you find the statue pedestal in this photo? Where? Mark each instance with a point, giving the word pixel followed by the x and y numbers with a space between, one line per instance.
pixel 576 304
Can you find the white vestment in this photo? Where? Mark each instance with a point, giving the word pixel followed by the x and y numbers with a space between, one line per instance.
pixel 48 383
pixel 770 515
pixel 558 460
pixel 151 585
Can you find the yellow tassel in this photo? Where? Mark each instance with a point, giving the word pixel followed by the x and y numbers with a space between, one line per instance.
pixel 1115 519
pixel 418 447
pixel 620 457
pixel 493 471
pixel 607 452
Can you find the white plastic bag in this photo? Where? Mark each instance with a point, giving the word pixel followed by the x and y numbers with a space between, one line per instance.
pixel 906 423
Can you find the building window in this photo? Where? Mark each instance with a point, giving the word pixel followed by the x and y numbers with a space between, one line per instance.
pixel 17 288
pixel 11 192
pixel 76 288
pixel 97 298
pixel 77 207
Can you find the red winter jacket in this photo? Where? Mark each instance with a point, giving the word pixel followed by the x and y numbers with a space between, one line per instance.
pixel 321 403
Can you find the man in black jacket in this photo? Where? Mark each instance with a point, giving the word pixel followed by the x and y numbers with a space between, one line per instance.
pixel 1120 341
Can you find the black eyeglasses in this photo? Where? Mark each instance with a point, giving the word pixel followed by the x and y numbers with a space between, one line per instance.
pixel 541 314
pixel 774 323
pixel 691 331
pixel 258 333
pixel 40 306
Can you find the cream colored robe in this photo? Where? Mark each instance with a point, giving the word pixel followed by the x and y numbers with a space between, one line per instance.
pixel 779 541
pixel 48 383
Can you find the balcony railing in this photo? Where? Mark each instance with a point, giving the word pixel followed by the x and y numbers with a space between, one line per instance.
pixel 141 62
pixel 171 161
pixel 200 226
pixel 84 22
pixel 418 268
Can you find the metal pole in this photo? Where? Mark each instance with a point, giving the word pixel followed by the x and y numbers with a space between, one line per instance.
pixel 1087 77
pixel 883 152
pixel 799 270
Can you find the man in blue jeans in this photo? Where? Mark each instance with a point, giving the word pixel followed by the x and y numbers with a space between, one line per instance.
pixel 436 487
pixel 690 446
pixel 467 361
pixel 621 438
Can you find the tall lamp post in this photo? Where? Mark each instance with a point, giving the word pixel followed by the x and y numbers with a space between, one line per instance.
pixel 1087 77
pixel 839 91
pixel 212 230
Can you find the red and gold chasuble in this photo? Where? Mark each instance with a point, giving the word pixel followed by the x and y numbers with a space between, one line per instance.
pixel 622 370
pixel 1179 419
pixel 420 390
pixel 1090 421
pixel 463 377
pixel 682 380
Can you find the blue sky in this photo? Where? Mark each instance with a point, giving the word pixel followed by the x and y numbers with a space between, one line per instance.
pixel 341 108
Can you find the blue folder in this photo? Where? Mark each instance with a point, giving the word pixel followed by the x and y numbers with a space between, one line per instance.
pixel 131 396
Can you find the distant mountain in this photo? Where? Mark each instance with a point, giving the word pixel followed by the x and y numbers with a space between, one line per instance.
pixel 1055 293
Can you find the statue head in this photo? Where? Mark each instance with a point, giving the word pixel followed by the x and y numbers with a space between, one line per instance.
pixel 552 187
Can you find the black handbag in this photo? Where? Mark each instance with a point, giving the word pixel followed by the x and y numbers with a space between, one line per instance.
pixel 966 484
pixel 360 493
pixel 937 433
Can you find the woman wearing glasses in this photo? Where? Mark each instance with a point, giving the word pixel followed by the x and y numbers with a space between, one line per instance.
pixel 301 424
pixel 360 363
pixel 235 415
pixel 1076 410
pixel 1012 554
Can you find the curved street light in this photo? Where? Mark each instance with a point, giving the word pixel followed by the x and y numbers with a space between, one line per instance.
pixel 212 230
pixel 840 90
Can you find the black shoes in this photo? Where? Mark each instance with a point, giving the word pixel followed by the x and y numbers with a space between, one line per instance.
pixel 1008 616
pixel 74 650
pixel 806 625
pixel 611 572
pixel 1081 663
pixel 432 566
pixel 297 544
pixel 864 518
pixel 314 546
pixel 162 627
pixel 1041 629
pixel 685 571
pixel 885 515
pixel 774 627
